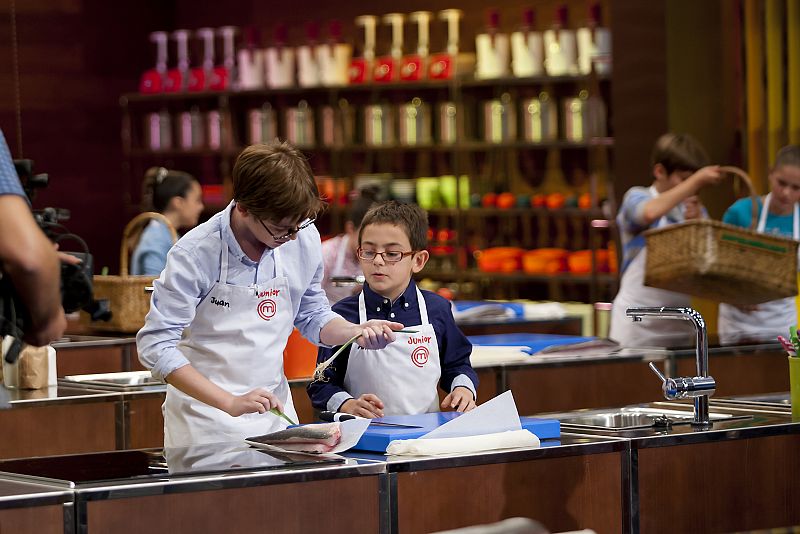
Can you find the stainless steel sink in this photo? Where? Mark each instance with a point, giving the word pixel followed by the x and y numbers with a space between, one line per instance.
pixel 632 418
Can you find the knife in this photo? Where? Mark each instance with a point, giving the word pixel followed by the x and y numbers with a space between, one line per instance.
pixel 338 416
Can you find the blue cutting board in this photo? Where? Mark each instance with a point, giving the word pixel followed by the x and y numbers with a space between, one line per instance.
pixel 534 342
pixel 377 438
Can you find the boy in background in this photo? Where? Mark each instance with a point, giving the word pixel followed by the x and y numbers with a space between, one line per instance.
pixel 680 169
pixel 402 378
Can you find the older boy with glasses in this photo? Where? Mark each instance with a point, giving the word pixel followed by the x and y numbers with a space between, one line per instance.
pixel 400 378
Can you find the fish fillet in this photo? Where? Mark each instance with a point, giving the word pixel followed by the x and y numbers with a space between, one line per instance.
pixel 306 438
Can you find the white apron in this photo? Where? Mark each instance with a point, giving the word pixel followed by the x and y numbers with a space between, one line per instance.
pixel 236 340
pixel 633 292
pixel 404 374
pixel 771 318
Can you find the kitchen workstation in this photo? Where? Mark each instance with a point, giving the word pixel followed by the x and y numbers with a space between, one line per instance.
pixel 400 267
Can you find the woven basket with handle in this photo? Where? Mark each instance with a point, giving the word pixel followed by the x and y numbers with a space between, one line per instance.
pixel 718 261
pixel 125 292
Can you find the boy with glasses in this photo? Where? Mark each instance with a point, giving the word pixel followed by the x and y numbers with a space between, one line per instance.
pixel 225 304
pixel 401 378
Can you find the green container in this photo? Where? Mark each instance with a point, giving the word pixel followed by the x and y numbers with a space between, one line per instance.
pixel 794 385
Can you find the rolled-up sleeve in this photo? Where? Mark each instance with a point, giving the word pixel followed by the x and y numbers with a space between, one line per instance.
pixel 177 292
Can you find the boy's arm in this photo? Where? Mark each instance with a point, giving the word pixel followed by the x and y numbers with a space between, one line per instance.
pixel 657 207
pixel 177 292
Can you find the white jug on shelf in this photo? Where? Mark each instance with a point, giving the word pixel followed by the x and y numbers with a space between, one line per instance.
pixel 527 49
pixel 492 50
pixel 560 50
pixel 594 45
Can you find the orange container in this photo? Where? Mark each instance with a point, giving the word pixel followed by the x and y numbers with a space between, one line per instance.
pixel 299 357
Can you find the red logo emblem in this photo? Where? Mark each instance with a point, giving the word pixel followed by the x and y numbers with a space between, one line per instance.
pixel 420 356
pixel 266 309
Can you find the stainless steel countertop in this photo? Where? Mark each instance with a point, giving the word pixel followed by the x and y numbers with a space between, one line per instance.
pixel 756 424
pixel 55 395
pixel 16 494
pixel 119 474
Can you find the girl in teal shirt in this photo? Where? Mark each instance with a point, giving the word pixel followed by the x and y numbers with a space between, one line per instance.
pixel 778 213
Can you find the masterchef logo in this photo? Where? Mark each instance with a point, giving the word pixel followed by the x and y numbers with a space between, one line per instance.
pixel 267 309
pixel 419 356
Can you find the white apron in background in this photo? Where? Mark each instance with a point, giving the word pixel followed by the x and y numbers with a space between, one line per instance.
pixel 236 340
pixel 633 292
pixel 771 318
pixel 404 374
pixel 337 293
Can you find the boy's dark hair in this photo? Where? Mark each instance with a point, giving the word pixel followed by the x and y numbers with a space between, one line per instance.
pixel 161 185
pixel 788 155
pixel 274 181
pixel 367 197
pixel 410 217
pixel 679 152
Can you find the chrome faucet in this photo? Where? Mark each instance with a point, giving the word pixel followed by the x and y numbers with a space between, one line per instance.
pixel 699 387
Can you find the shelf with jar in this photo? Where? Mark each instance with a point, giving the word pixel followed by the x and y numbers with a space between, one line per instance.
pixel 523 130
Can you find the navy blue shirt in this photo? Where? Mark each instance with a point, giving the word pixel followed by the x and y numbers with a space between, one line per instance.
pixel 454 347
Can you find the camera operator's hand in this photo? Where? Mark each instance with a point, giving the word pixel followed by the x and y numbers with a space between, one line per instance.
pixel 69 259
pixel 30 261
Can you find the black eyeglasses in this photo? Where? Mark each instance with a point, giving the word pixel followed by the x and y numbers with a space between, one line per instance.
pixel 389 256
pixel 290 233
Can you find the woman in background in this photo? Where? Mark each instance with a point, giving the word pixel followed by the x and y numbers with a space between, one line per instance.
pixel 177 196
pixel 339 253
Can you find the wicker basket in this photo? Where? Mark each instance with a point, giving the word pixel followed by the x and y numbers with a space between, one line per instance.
pixel 722 262
pixel 129 302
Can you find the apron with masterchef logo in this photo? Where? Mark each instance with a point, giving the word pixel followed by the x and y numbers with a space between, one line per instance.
pixel 236 340
pixel 404 374
pixel 771 318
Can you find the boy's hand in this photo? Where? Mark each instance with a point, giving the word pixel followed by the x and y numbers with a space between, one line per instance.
pixel 376 334
pixel 460 400
pixel 706 176
pixel 367 405
pixel 258 400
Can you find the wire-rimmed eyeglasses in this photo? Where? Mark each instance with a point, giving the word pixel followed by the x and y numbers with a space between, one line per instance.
pixel 290 233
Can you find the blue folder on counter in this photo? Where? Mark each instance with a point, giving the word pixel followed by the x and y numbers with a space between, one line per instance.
pixel 534 342
pixel 377 438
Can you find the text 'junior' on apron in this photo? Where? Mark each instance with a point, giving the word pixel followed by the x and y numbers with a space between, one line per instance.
pixel 404 374
pixel 236 340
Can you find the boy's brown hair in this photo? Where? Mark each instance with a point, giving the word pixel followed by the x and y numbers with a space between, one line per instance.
pixel 274 181
pixel 678 152
pixel 410 217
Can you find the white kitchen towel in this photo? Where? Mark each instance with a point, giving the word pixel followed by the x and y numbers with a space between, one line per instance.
pixel 468 444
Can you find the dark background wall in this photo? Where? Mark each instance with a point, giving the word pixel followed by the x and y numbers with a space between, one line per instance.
pixel 672 69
